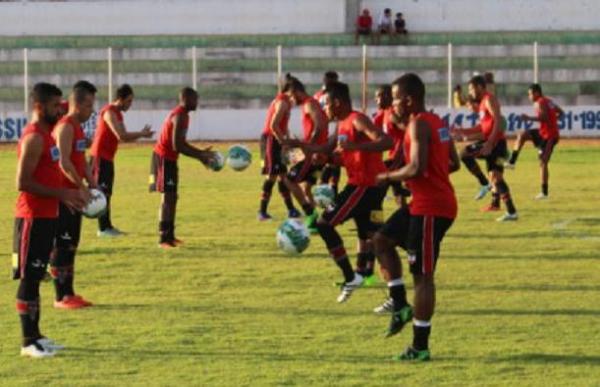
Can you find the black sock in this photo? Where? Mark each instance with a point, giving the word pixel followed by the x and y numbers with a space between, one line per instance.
pixel 308 209
pixel 365 263
pixel 495 199
pixel 104 222
pixel 513 157
pixel 504 192
pixel 545 189
pixel 421 337
pixel 285 194
pixel 166 231
pixel 398 294
pixel 28 307
pixel 344 264
pixel 267 189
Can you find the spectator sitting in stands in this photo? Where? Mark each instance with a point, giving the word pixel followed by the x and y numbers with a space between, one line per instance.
pixel 385 24
pixel 400 25
pixel 364 26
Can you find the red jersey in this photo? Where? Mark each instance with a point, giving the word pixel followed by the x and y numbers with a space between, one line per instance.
pixel 78 146
pixel 432 192
pixel 361 166
pixel 47 173
pixel 364 21
pixel 164 143
pixel 487 120
pixel 105 140
pixel 283 124
pixel 395 133
pixel 320 97
pixel 549 127
pixel 378 118
pixel 308 125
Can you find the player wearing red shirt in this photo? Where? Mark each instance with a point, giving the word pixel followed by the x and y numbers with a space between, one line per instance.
pixel 419 229
pixel 71 142
pixel 164 172
pixel 40 190
pixel 364 26
pixel 110 131
pixel 545 138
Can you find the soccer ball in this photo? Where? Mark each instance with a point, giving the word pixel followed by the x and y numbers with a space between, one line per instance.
pixel 97 204
pixel 218 163
pixel 239 157
pixel 293 237
pixel 323 195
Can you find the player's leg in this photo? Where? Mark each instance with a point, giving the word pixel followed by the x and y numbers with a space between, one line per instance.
pixel 267 190
pixel 269 171
pixel 522 138
pixel 105 177
pixel 505 196
pixel 299 173
pixel 369 219
pixel 545 153
pixel 166 178
pixel 468 155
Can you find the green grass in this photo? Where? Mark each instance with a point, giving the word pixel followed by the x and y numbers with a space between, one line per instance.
pixel 434 38
pixel 517 303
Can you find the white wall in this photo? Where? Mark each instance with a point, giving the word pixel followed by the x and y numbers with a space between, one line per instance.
pixel 492 15
pixel 154 17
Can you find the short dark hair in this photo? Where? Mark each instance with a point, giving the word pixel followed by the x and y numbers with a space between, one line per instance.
pixel 124 91
pixel 339 91
pixel 42 92
pixel 81 89
pixel 293 84
pixel 489 77
pixel 387 10
pixel 331 76
pixel 187 92
pixel 535 88
pixel 478 80
pixel 411 85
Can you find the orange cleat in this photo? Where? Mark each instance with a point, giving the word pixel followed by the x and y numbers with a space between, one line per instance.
pixel 178 242
pixel 490 208
pixel 83 300
pixel 167 245
pixel 70 302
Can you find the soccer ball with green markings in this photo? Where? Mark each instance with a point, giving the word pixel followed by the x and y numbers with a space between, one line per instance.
pixel 323 195
pixel 239 157
pixel 293 237
pixel 218 162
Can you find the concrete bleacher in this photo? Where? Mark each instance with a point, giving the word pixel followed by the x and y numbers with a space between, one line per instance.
pixel 239 71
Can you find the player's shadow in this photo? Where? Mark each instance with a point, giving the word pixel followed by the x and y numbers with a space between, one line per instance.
pixel 521 288
pixel 548 358
pixel 529 312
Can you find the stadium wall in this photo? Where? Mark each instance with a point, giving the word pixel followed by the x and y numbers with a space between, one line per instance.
pixel 207 124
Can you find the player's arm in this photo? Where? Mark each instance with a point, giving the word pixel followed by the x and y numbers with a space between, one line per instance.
pixel 379 141
pixel 318 121
pixel 31 151
pixel 467 134
pixel 64 135
pixel 420 134
pixel 454 159
pixel 542 114
pixel 119 130
pixel 281 109
pixel 181 145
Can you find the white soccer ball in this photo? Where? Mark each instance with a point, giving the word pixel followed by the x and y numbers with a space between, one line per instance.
pixel 239 157
pixel 323 195
pixel 97 204
pixel 218 163
pixel 293 237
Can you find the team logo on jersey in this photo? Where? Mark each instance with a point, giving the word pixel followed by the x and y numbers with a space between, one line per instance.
pixel 80 145
pixel 54 153
pixel 444 134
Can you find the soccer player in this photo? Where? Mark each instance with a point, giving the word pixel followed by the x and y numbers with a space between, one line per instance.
pixel 360 144
pixel 328 78
pixel 274 133
pixel 490 145
pixel 545 138
pixel 109 132
pixel 420 228
pixel 71 142
pixel 39 185
pixel 164 173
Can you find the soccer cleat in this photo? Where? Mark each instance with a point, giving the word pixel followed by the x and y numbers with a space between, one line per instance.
pixel 508 217
pixel 110 233
pixel 264 217
pixel 70 302
pixel 82 300
pixel 50 344
pixel 490 208
pixel 509 165
pixel 370 280
pixel 541 196
pixel 411 354
pixel 167 245
pixel 349 287
pixel 399 320
pixel 294 213
pixel 483 191
pixel 311 222
pixel 37 351
pixel 178 242
pixel 386 307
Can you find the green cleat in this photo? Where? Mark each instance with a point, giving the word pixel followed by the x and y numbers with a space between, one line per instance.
pixel 370 281
pixel 399 319
pixel 411 354
pixel 311 223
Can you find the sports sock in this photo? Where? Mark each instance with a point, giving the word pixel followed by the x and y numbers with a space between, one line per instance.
pixel 397 292
pixel 104 221
pixel 308 209
pixel 285 194
pixel 504 192
pixel 545 189
pixel 421 331
pixel 166 230
pixel 513 157
pixel 340 257
pixel 28 308
pixel 365 263
pixel 267 189
pixel 61 270
pixel 495 199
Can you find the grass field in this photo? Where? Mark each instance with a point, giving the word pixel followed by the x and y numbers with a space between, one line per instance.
pixel 518 303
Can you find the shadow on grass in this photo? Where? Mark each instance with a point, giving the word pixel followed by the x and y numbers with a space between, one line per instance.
pixel 522 288
pixel 517 312
pixel 548 358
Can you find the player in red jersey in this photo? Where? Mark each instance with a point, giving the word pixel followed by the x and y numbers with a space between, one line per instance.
pixel 71 142
pixel 545 138
pixel 109 132
pixel 360 145
pixel 490 145
pixel 419 229
pixel 164 172
pixel 36 215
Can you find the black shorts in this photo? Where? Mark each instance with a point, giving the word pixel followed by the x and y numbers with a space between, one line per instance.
pixel 104 172
pixel 305 171
pixel 331 173
pixel 68 229
pixel 271 155
pixel 33 240
pixel 164 174
pixel 364 31
pixel 363 204
pixel 495 160
pixel 421 237
pixel 545 146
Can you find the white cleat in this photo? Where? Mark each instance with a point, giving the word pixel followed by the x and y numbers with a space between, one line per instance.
pixel 50 344
pixel 110 233
pixel 386 307
pixel 37 351
pixel 508 165
pixel 541 196
pixel 508 217
pixel 349 287
pixel 483 191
